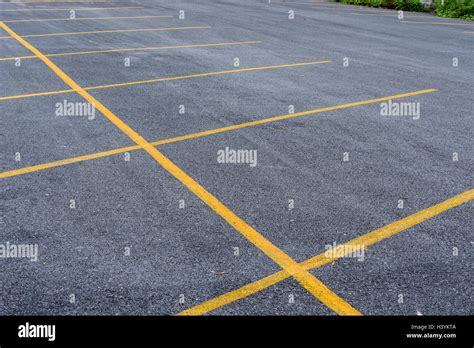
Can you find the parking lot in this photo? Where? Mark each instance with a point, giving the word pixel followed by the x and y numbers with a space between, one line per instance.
pixel 230 143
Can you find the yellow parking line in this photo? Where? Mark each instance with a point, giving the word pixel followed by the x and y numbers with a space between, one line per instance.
pixel 289 116
pixel 67 161
pixel 44 166
pixel 110 31
pixel 342 250
pixel 39 94
pixel 81 19
pixel 233 71
pixel 71 9
pixel 306 279
pixel 136 49
pixel 174 78
pixel 436 23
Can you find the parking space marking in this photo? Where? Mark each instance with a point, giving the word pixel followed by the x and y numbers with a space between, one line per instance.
pixel 213 73
pixel 174 78
pixel 304 277
pixel 290 116
pixel 44 166
pixel 38 94
pixel 67 161
pixel 137 49
pixel 72 9
pixel 81 19
pixel 342 250
pixel 110 31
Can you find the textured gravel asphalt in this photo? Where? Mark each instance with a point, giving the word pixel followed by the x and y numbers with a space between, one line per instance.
pixel 180 256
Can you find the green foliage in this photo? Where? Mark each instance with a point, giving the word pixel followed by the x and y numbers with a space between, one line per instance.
pixel 405 5
pixel 409 5
pixel 455 9
pixel 463 9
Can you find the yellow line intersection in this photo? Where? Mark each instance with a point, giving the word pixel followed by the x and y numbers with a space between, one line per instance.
pixel 341 250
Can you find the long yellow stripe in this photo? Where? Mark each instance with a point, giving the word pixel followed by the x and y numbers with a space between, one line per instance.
pixel 67 161
pixel 70 9
pixel 109 31
pixel 39 94
pixel 135 49
pixel 81 19
pixel 306 279
pixel 342 250
pixel 124 84
pixel 174 78
pixel 39 167
pixel 288 116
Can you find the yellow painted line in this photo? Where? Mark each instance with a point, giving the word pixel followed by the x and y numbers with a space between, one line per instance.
pixel 233 71
pixel 39 94
pixel 306 279
pixel 81 19
pixel 110 31
pixel 289 116
pixel 342 250
pixel 436 23
pixel 44 166
pixel 71 9
pixel 137 49
pixel 64 162
pixel 174 78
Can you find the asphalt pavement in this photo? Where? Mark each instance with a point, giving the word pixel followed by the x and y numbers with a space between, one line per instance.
pixel 118 233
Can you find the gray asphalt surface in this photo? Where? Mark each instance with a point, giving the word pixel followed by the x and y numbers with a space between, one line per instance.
pixel 190 252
